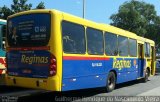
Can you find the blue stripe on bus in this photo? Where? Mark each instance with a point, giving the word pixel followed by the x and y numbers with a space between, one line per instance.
pixel 80 74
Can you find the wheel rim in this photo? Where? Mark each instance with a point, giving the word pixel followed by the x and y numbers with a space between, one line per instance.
pixel 111 82
pixel 147 75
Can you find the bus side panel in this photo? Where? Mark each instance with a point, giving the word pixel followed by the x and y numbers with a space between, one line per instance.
pixel 83 82
pixel 141 67
pixel 126 69
pixel 132 72
pixel 80 74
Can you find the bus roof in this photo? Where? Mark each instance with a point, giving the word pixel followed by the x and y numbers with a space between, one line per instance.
pixel 88 23
pixel 99 26
pixel 150 41
pixel 145 40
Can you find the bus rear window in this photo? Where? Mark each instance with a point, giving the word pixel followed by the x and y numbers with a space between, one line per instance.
pixel 29 30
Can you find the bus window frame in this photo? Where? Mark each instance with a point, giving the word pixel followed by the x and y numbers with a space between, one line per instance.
pixel 2 46
pixel 61 28
pixel 102 32
pixel 129 47
pixel 146 46
pixel 105 33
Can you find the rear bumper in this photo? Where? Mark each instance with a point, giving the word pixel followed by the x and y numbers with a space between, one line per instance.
pixel 51 84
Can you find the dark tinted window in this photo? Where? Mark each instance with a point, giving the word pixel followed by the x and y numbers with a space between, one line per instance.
pixel 132 47
pixel 147 49
pixel 73 38
pixel 95 41
pixel 29 30
pixel 123 46
pixel 1 33
pixel 111 44
pixel 3 36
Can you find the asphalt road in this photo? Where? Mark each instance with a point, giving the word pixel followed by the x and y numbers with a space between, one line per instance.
pixel 133 88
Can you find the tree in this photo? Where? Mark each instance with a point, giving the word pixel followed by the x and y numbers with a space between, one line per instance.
pixel 40 6
pixel 4 12
pixel 138 17
pixel 18 6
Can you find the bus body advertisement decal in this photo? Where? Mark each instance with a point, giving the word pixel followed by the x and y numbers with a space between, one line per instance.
pixel 28 63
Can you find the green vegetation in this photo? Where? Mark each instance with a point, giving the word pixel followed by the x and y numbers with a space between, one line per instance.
pixel 135 16
pixel 18 6
pixel 138 17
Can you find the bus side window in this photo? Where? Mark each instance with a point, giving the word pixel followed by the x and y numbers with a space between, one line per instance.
pixel 147 49
pixel 95 41
pixel 132 47
pixel 123 46
pixel 3 37
pixel 67 41
pixel 111 44
pixel 73 36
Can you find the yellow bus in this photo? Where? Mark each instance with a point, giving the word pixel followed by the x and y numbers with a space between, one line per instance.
pixel 2 46
pixel 53 50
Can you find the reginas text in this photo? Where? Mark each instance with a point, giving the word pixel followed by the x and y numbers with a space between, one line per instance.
pixel 119 64
pixel 34 59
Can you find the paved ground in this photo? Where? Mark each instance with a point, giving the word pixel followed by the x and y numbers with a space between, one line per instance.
pixel 133 88
pixel 136 88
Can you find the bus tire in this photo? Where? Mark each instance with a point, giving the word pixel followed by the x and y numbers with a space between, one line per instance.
pixel 111 82
pixel 145 79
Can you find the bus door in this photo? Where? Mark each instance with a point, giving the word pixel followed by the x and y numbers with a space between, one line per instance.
pixel 152 60
pixel 140 60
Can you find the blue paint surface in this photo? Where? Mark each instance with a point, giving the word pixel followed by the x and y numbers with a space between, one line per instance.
pixel 142 65
pixel 81 74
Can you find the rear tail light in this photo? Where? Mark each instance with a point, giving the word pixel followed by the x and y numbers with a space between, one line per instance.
pixel 53 66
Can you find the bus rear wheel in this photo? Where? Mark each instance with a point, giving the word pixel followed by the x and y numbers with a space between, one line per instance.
pixel 145 79
pixel 111 82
